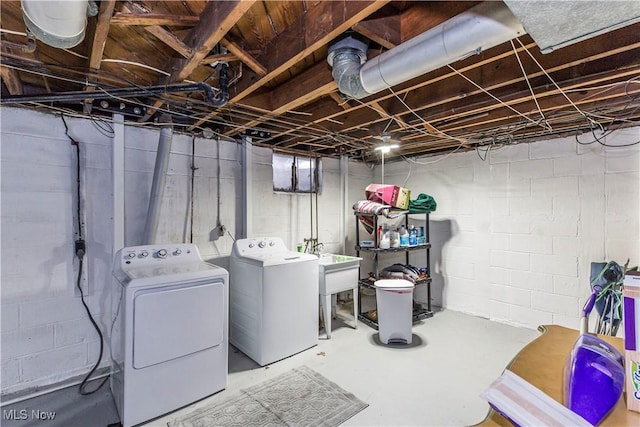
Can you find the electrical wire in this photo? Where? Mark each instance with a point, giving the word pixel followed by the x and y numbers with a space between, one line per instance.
pixel 551 79
pixel 501 102
pixel 80 254
pixel 408 159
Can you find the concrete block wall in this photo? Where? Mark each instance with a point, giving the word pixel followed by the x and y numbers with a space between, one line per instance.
pixel 46 335
pixel 514 235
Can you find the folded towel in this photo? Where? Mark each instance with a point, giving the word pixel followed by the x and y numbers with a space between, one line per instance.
pixel 374 208
pixel 423 204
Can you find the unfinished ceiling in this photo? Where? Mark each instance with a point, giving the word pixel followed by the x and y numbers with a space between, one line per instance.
pixel 154 60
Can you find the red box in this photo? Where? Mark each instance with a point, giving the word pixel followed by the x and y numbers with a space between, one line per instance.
pixel 388 194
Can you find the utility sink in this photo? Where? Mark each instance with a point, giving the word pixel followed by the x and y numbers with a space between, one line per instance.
pixel 338 273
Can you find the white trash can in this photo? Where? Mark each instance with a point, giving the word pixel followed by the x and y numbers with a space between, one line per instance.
pixel 395 310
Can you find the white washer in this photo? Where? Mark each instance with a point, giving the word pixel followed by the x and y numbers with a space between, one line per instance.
pixel 169 338
pixel 273 299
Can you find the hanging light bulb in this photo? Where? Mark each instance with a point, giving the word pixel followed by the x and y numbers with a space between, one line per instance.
pixel 384 149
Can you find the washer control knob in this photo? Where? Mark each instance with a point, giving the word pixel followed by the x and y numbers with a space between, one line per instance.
pixel 162 253
pixel 251 245
pixel 144 254
pixel 177 252
pixel 271 243
pixel 262 244
pixel 130 255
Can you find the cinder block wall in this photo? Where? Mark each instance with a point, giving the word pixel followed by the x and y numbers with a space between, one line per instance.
pixel 514 234
pixel 46 335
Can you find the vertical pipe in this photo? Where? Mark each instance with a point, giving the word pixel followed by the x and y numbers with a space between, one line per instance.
pixel 247 177
pixel 158 184
pixel 117 160
pixel 192 189
pixel 344 173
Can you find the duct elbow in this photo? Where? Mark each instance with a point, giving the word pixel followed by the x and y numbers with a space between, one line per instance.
pixel 346 57
pixel 346 73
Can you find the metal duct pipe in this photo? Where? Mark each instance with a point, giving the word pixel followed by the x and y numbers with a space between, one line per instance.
pixel 57 23
pixel 158 184
pixel 481 27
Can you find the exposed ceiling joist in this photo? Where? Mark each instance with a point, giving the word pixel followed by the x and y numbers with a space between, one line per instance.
pixel 281 88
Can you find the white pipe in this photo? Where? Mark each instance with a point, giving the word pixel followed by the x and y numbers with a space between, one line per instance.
pixel 247 188
pixel 344 202
pixel 481 27
pixel 117 159
pixel 158 184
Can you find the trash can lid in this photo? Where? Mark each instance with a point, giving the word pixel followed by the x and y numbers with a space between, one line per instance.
pixel 393 283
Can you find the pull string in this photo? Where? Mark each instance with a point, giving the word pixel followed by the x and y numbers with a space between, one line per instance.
pixel 496 98
pixel 526 78
pixel 589 119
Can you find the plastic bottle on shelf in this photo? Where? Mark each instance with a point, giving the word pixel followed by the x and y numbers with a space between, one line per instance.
pixel 404 236
pixel 394 237
pixel 385 239
pixel 413 236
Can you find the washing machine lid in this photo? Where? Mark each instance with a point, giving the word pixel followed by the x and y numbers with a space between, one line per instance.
pixel 266 251
pixel 169 274
pixel 280 258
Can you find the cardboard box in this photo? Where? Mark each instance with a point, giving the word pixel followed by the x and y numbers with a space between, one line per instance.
pixel 631 306
pixel 388 194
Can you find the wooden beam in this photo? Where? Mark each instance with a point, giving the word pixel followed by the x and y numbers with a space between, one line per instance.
pixel 170 40
pixel 244 57
pixel 11 80
pixel 101 33
pixel 312 84
pixel 323 22
pixel 216 20
pixel 343 103
pixel 422 16
pixel 223 57
pixel 385 31
pixel 147 19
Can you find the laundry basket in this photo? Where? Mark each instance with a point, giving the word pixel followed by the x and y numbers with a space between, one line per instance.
pixel 395 310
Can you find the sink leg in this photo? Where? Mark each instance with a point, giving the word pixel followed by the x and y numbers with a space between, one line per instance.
pixel 325 301
pixel 355 308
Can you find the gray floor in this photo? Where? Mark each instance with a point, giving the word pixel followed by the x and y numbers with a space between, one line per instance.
pixel 434 382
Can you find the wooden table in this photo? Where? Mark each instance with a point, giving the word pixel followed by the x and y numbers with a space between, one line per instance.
pixel 541 363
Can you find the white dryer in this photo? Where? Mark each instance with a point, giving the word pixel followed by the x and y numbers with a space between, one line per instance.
pixel 169 338
pixel 273 299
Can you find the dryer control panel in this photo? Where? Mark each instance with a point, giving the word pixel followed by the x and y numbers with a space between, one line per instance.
pixel 139 256
pixel 260 245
